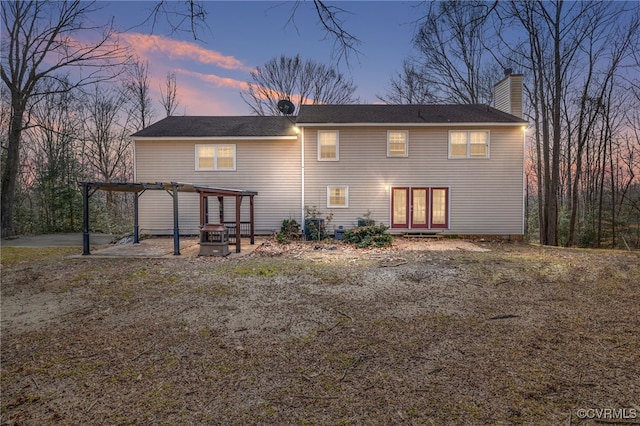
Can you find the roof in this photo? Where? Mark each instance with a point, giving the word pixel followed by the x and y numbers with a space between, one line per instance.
pixel 220 126
pixel 402 114
pixel 167 186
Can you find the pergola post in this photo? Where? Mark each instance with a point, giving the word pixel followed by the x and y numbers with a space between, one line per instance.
pixel 85 219
pixel 238 226
pixel 252 228
pixel 221 209
pixel 136 225
pixel 176 230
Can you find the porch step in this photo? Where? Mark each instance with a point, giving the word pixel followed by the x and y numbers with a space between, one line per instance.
pixel 422 234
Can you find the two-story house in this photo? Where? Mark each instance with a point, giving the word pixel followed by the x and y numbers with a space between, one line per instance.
pixel 457 169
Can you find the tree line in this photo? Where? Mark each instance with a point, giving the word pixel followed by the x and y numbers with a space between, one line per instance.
pixel 581 68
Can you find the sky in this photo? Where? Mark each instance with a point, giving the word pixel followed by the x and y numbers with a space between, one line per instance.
pixel 241 35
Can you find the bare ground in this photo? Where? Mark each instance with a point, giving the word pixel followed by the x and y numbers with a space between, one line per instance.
pixel 427 332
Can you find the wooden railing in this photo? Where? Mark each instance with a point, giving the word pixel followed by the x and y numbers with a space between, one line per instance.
pixel 245 231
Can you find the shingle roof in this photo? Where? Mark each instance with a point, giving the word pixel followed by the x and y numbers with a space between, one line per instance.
pixel 278 126
pixel 415 114
pixel 221 126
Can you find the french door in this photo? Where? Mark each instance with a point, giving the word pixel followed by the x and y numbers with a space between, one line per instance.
pixel 416 208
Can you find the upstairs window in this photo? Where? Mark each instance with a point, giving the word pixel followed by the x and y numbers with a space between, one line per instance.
pixel 328 145
pixel 469 144
pixel 397 143
pixel 215 157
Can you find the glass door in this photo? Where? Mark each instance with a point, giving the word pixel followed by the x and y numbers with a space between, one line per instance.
pixel 419 207
pixel 400 207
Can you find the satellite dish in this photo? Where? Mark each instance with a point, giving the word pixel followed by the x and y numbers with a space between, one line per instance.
pixel 286 106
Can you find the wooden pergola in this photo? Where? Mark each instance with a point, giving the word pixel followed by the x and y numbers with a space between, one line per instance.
pixel 172 188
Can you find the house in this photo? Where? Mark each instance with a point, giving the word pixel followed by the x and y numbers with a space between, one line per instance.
pixel 455 169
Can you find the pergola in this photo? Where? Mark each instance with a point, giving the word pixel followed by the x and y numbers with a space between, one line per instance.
pixel 172 188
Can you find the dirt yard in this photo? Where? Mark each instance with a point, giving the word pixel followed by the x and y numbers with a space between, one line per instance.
pixel 428 332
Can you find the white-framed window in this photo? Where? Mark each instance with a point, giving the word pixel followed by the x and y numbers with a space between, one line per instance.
pixel 397 143
pixel 215 157
pixel 328 145
pixel 469 144
pixel 337 196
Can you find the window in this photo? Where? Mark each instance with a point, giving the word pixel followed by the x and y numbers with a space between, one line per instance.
pixel 215 157
pixel 337 196
pixel 328 145
pixel 469 144
pixel 397 143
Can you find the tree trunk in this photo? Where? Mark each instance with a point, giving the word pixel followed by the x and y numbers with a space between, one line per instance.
pixel 10 173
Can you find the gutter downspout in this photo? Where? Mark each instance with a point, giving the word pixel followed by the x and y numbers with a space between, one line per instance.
pixel 302 175
pixel 524 179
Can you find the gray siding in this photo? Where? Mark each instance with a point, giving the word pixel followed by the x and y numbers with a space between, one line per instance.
pixel 508 95
pixel 486 195
pixel 270 167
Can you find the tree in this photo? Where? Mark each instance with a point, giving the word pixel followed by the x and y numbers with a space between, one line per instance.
pixel 604 54
pixel 191 16
pixel 51 145
pixel 557 38
pixel 408 87
pixel 452 61
pixel 345 43
pixel 302 82
pixel 136 89
pixel 169 96
pixel 38 45
pixel 105 136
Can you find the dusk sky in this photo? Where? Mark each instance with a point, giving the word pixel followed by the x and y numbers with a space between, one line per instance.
pixel 211 72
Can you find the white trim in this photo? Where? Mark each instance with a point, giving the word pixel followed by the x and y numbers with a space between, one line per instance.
pixel 135 163
pixel 214 138
pixel 337 132
pixel 449 125
pixel 346 196
pixel 406 143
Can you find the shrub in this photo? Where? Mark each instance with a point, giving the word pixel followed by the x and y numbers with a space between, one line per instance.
pixel 367 236
pixel 314 226
pixel 289 230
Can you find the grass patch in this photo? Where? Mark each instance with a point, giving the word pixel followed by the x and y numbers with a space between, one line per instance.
pixel 16 255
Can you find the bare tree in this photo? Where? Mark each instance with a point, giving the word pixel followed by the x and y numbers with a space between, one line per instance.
pixel 408 87
pixel 169 96
pixel 191 16
pixel 453 60
pixel 51 146
pixel 344 42
pixel 137 90
pixel 182 16
pixel 606 45
pixel 567 48
pixel 106 134
pixel 302 82
pixel 38 45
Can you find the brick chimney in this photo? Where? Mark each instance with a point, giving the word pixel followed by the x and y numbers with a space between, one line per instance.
pixel 507 94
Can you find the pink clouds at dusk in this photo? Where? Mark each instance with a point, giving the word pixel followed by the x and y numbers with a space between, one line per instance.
pixel 218 81
pixel 146 44
pixel 201 88
pixel 213 69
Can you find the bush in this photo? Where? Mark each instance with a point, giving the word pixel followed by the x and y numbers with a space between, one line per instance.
pixel 367 236
pixel 289 230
